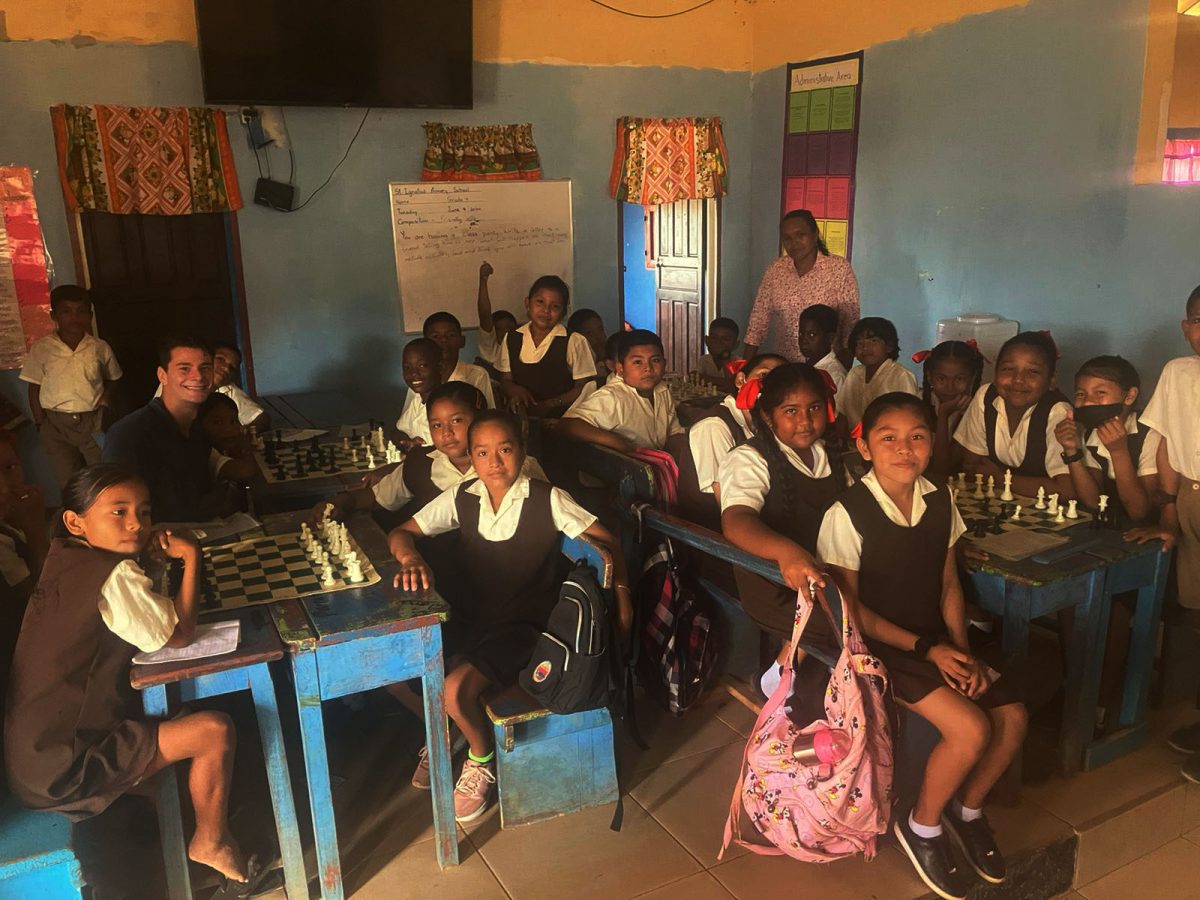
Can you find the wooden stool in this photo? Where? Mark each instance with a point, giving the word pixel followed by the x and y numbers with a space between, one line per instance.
pixel 549 765
pixel 36 859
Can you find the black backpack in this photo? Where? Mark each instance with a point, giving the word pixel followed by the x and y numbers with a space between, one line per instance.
pixel 572 667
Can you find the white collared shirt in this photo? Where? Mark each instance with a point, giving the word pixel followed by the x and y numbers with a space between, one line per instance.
pixel 70 381
pixel 619 408
pixel 710 442
pixel 840 543
pixel 856 393
pixel 745 477
pixel 1010 448
pixel 134 611
pixel 248 410
pixel 1172 413
pixel 579 351
pixel 13 568
pixel 392 493
pixel 476 376
pixel 831 364
pixel 489 347
pixel 1145 464
pixel 414 417
pixel 441 514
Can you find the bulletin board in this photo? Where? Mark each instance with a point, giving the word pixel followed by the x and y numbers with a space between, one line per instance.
pixel 820 149
pixel 443 230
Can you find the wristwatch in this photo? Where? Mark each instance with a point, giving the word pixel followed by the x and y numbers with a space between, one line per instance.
pixel 1069 458
pixel 922 647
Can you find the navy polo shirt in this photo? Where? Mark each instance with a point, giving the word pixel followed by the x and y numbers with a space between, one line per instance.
pixel 174 467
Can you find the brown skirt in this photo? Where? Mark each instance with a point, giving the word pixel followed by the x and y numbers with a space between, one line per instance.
pixel 773 608
pixel 912 680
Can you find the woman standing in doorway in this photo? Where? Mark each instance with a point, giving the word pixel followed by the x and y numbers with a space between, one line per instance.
pixel 806 275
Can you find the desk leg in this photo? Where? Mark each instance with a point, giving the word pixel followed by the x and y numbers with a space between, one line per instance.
pixel 267 712
pixel 170 814
pixel 1140 665
pixel 1018 601
pixel 437 742
pixel 316 766
pixel 1085 659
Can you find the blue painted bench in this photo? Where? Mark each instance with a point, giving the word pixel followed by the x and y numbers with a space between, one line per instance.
pixel 549 765
pixel 36 859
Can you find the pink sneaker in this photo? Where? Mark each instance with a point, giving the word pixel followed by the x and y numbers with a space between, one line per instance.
pixel 474 790
pixel 420 778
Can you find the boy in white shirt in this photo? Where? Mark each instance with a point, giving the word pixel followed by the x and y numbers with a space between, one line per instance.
pixel 422 371
pixel 227 359
pixel 818 328
pixel 70 375
pixel 444 329
pixel 493 326
pixel 635 409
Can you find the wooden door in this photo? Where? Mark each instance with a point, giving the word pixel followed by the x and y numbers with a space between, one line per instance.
pixel 680 256
pixel 154 275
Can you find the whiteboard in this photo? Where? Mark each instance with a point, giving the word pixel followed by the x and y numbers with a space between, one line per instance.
pixel 444 230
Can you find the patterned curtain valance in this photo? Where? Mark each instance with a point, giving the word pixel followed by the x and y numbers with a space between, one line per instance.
pixel 664 160
pixel 480 153
pixel 157 160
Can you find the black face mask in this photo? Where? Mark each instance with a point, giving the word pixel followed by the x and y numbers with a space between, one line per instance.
pixel 1094 416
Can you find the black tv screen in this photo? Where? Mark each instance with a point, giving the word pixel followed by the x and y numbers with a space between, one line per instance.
pixel 383 53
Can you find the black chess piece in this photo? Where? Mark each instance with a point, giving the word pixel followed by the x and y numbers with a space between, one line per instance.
pixel 299 467
pixel 312 445
pixel 278 436
pixel 280 473
pixel 331 468
pixel 980 526
pixel 997 524
pixel 269 454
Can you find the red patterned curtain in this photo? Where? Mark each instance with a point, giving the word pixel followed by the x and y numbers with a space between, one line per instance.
pixel 664 160
pixel 1181 161
pixel 480 153
pixel 169 161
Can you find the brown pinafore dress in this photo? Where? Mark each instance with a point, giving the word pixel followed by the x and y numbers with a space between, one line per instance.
pixel 696 505
pixel 74 737
pixel 550 376
pixel 507 587
pixel 900 579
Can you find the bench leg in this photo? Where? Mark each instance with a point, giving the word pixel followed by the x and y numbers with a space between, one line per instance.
pixel 437 743
pixel 267 712
pixel 316 767
pixel 170 813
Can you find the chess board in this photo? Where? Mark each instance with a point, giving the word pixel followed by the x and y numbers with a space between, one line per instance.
pixel 298 461
pixel 684 390
pixel 1034 532
pixel 267 569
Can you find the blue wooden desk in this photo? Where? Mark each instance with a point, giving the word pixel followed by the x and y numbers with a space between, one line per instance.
pixel 357 640
pixel 1024 590
pixel 244 669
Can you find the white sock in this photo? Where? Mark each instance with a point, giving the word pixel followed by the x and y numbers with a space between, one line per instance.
pixel 770 679
pixel 965 813
pixel 924 831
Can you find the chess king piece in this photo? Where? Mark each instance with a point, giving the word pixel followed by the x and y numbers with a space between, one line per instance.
pixel 1007 493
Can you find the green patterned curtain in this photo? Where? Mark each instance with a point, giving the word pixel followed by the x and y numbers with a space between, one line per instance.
pixel 480 153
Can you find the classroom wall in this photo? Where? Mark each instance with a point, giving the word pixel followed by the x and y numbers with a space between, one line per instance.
pixel 1185 81
pixel 995 155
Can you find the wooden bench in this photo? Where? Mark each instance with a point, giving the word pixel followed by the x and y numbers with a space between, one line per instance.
pixel 36 859
pixel 549 765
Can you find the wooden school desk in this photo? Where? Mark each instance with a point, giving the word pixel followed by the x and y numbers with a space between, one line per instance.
pixel 1024 590
pixel 244 669
pixel 357 640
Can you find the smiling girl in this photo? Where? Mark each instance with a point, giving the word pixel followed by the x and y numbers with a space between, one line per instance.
pixel 876 346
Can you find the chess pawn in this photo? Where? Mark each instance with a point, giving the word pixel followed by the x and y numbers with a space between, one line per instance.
pixel 1016 516
pixel 1058 514
pixel 327 575
pixel 1072 512
pixel 370 460
pixel 353 454
pixel 962 480
pixel 1041 499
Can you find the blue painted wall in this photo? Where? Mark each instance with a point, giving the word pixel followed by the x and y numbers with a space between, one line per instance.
pixel 640 309
pixel 996 154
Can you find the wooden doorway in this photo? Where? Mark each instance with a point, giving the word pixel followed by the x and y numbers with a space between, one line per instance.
pixel 681 246
pixel 154 275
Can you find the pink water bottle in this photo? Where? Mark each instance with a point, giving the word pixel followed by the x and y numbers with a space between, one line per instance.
pixel 823 747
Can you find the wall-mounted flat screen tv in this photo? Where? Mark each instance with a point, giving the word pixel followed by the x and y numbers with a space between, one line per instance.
pixel 382 53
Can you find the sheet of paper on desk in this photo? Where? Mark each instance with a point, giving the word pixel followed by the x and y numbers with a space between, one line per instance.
pixel 360 429
pixel 291 435
pixel 213 639
pixel 217 530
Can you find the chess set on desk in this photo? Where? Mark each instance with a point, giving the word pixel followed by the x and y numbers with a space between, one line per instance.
pixel 692 387
pixel 282 460
pixel 1014 527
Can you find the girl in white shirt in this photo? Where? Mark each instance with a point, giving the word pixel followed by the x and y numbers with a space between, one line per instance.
pixel 950 376
pixel 876 346
pixel 509 570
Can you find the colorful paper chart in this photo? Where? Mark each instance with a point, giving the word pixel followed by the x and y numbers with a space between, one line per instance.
pixel 821 144
pixel 24 278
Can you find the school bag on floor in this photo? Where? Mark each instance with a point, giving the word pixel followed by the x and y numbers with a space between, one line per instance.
pixel 666 476
pixel 819 812
pixel 679 648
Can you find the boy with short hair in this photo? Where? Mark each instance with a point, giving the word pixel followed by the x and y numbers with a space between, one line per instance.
pixel 70 375
pixel 422 369
pixel 721 341
pixel 818 328
pixel 227 359
pixel 1172 412
pixel 444 329
pixel 632 411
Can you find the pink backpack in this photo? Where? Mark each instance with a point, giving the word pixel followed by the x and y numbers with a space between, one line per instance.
pixel 811 811
pixel 666 475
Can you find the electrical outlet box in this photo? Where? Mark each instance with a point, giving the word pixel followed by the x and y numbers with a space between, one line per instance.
pixel 277 195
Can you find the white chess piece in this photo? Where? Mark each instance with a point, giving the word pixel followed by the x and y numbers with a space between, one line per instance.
pixel 345 443
pixel 1072 512
pixel 1041 499
pixel 991 487
pixel 1103 504
pixel 370 459
pixel 978 495
pixel 1016 516
pixel 353 454
pixel 1052 506
pixel 962 479
pixel 1058 515
pixel 354 571
pixel 327 575
pixel 328 511
pixel 1007 494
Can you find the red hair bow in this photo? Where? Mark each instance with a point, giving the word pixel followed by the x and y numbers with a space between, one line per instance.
pixel 747 395
pixel 1046 332
pixel 921 355
pixel 735 365
pixel 830 391
pixel 974 345
pixel 856 431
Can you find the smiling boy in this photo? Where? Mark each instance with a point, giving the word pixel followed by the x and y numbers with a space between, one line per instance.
pixel 422 362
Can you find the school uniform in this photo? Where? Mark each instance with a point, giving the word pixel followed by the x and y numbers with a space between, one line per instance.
pixel 708 442
pixel 856 393
pixel 70 385
pixel 619 408
pixel 900 563
pixel 831 364
pixel 1172 413
pixel 1143 444
pixel 955 418
pixel 510 568
pixel 489 347
pixel 1031 450
pixel 424 474
pixel 548 369
pixel 476 376
pixel 745 478
pixel 16 584
pixel 707 366
pixel 74 736
pixel 414 417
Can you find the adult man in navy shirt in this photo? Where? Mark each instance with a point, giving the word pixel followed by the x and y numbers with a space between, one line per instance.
pixel 164 443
